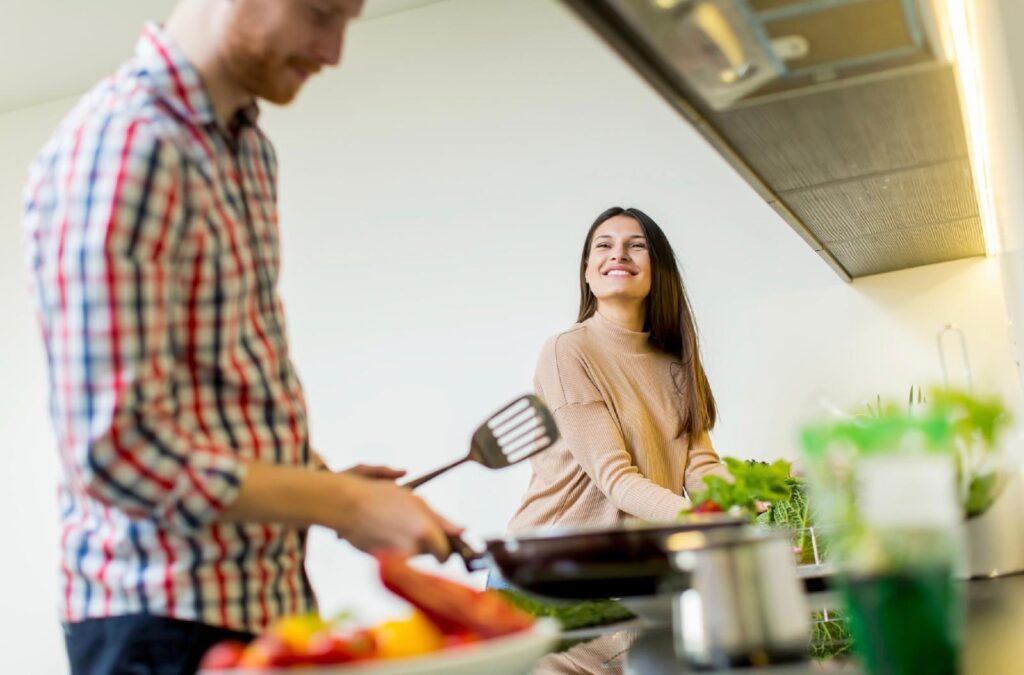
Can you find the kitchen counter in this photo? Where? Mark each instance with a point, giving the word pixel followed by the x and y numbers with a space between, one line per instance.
pixel 994 642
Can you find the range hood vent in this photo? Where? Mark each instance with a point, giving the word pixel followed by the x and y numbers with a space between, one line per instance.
pixel 842 114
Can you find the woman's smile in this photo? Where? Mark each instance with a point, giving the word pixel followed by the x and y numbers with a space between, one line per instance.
pixel 619 271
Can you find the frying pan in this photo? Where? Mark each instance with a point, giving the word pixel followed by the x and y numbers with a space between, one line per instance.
pixel 577 564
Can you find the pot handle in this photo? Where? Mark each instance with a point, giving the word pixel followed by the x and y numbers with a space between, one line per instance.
pixel 474 560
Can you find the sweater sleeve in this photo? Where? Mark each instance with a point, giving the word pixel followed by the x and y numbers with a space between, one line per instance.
pixel 595 440
pixel 703 461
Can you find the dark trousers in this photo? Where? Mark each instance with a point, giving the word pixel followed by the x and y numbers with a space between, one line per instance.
pixel 140 644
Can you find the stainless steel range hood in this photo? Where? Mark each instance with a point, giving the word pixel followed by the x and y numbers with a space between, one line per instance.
pixel 842 114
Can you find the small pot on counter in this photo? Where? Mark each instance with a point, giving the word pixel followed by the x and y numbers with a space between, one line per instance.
pixel 737 599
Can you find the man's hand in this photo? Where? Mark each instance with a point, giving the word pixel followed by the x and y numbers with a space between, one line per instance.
pixel 380 515
pixel 371 513
pixel 375 472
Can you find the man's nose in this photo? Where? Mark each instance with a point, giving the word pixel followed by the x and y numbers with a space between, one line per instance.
pixel 328 47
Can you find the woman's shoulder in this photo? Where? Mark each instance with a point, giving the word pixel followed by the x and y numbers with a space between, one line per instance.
pixel 563 368
pixel 568 342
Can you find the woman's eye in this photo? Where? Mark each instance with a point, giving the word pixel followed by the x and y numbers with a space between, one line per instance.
pixel 601 245
pixel 639 245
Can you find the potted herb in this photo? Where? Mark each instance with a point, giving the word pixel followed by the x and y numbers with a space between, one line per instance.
pixel 891 481
pixel 976 425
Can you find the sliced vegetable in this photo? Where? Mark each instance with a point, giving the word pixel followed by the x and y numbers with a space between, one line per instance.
pixel 407 637
pixel 297 630
pixel 328 648
pixel 708 506
pixel 455 608
pixel 461 639
pixel 268 651
pixel 223 656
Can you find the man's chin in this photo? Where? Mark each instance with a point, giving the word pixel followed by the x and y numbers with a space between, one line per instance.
pixel 277 90
pixel 278 95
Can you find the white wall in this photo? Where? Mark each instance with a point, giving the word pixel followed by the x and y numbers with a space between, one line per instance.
pixel 1001 83
pixel 434 195
pixel 30 637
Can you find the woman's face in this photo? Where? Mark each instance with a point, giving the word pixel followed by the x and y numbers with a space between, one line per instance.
pixel 618 263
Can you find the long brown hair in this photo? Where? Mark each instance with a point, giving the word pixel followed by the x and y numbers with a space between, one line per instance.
pixel 668 318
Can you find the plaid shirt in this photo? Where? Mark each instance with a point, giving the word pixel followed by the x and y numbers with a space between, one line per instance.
pixel 153 246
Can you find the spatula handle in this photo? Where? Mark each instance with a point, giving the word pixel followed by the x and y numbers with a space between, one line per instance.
pixel 474 560
pixel 416 482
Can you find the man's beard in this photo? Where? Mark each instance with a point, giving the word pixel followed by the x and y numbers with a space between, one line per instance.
pixel 260 70
pixel 267 77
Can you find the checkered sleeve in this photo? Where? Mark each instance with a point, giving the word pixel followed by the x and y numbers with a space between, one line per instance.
pixel 125 211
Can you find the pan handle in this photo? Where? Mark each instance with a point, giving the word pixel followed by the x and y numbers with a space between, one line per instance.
pixel 474 560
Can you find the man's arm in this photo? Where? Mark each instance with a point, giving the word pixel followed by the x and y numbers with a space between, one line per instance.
pixel 110 289
pixel 370 513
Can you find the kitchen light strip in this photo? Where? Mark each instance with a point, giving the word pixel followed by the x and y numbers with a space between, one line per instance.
pixel 961 26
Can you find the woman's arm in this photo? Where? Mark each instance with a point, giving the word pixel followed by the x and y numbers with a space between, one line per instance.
pixel 594 439
pixel 703 461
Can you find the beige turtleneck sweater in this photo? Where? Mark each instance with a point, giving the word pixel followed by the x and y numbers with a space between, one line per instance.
pixel 621 453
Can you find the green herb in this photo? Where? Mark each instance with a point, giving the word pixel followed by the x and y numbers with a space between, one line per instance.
pixel 981 492
pixel 752 482
pixel 976 424
pixel 970 415
pixel 830 635
pixel 572 615
pixel 964 425
pixel 795 514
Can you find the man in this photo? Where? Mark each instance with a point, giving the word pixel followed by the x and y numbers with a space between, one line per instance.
pixel 188 478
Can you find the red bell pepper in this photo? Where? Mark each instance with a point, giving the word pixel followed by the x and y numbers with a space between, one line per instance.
pixel 454 608
pixel 708 507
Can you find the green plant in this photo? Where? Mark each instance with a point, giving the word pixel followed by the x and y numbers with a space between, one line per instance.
pixel 974 427
pixel 914 397
pixel 572 615
pixel 795 514
pixel 752 482
pixel 951 428
pixel 830 635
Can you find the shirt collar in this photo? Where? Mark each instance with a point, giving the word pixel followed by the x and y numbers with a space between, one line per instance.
pixel 176 81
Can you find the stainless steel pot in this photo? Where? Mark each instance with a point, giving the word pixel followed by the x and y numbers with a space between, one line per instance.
pixel 737 601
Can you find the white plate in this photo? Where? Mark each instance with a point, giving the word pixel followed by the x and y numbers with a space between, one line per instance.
pixel 654 610
pixel 510 655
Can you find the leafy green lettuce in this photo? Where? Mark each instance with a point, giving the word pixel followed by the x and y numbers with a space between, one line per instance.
pixel 752 482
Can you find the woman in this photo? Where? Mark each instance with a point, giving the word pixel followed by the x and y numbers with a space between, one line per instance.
pixel 627 388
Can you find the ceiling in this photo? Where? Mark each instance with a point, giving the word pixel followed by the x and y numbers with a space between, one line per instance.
pixel 57 48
